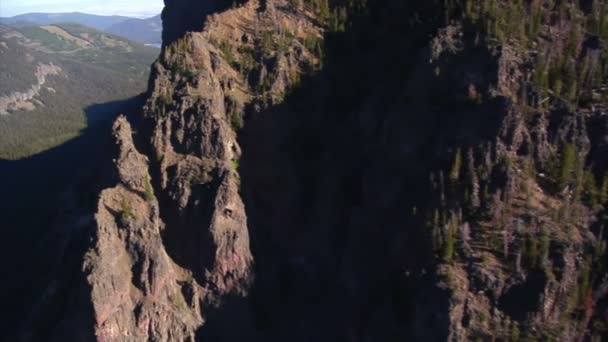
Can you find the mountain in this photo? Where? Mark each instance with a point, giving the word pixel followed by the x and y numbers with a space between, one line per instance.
pixel 98 22
pixel 144 31
pixel 346 170
pixel 51 74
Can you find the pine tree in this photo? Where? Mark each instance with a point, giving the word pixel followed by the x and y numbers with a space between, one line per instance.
pixel 591 192
pixel 149 192
pixel 449 247
pixel 545 245
pixel 532 252
pixel 567 165
pixel 603 195
pixel 474 181
pixel 456 166
pixel 515 333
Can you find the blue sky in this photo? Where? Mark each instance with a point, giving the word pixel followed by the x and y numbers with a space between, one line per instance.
pixel 131 8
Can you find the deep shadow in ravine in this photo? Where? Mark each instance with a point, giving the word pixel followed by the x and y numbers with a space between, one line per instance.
pixel 333 178
pixel 47 205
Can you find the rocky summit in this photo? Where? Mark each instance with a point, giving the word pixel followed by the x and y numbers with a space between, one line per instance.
pixel 348 170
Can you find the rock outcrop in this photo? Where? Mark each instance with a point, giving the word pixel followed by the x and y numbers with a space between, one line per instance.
pixel 161 267
pixel 25 100
pixel 136 290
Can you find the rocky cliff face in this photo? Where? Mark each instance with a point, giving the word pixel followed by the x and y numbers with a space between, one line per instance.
pixel 172 243
pixel 136 290
pixel 326 171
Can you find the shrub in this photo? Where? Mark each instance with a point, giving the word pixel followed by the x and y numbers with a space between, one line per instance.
pixel 267 43
pixel 591 192
pixel 149 192
pixel 227 53
pixel 455 171
pixel 603 195
pixel 568 162
pixel 247 59
pixel 236 120
pixel 449 246
pixel 126 211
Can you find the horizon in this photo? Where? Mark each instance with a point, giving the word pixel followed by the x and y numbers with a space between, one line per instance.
pixel 134 8
pixel 145 16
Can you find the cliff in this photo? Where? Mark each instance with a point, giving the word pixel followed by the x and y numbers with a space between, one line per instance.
pixel 361 170
pixel 172 243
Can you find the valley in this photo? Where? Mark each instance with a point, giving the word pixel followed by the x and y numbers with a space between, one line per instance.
pixel 51 73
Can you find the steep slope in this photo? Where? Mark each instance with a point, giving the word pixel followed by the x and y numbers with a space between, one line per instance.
pixel 468 233
pixel 191 251
pixel 135 288
pixel 359 170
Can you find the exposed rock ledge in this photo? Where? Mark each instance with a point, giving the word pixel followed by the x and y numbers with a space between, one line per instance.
pixel 135 287
pixel 24 100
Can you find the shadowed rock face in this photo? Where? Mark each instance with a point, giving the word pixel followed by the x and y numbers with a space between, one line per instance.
pixel 347 181
pixel 181 16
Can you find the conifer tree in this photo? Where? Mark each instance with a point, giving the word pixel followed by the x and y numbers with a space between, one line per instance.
pixel 568 163
pixel 456 166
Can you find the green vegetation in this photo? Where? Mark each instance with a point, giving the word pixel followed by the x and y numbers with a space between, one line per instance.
pixel 110 69
pixel 234 113
pixel 165 98
pixel 126 211
pixel 320 8
pixel 236 120
pixel 314 45
pixel 284 42
pixel 270 43
pixel 47 39
pixel 235 165
pixel 247 60
pixel 568 162
pixel 149 191
pixel 584 284
pixel 531 255
pixel 545 246
pixel 515 332
pixel 228 54
pixel 567 74
pixel 603 191
pixel 591 192
pixel 597 20
pixel 182 46
pixel 448 251
pixel 456 167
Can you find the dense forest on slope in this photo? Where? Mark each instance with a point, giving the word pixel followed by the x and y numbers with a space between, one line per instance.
pixel 86 67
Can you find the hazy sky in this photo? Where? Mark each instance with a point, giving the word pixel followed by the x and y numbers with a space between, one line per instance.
pixel 132 8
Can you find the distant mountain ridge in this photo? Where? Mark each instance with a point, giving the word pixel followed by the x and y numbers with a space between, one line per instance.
pixel 144 31
pixel 98 22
